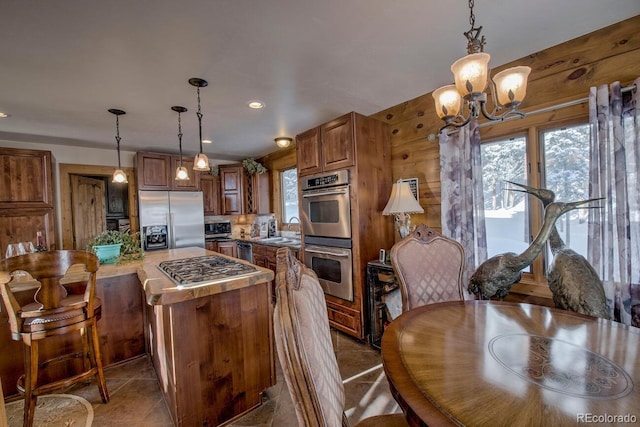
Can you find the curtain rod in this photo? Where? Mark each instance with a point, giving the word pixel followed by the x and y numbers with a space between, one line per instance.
pixel 554 107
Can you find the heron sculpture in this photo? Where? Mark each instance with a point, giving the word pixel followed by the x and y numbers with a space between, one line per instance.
pixel 498 274
pixel 574 283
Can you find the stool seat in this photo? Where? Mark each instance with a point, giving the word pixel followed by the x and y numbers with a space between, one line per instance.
pixel 64 303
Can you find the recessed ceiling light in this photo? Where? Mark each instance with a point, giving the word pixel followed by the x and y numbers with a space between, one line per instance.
pixel 206 141
pixel 256 105
pixel 3 115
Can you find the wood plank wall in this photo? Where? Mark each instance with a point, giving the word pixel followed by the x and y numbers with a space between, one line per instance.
pixel 559 74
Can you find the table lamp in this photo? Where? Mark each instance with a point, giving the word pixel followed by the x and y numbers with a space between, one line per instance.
pixel 402 203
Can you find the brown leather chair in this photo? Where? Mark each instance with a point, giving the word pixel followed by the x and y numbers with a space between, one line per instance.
pixel 305 350
pixel 429 268
pixel 64 303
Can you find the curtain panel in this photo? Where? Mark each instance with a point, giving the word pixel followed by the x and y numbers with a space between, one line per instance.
pixel 614 174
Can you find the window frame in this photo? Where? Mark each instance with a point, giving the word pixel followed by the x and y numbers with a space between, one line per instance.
pixel 534 284
pixel 283 219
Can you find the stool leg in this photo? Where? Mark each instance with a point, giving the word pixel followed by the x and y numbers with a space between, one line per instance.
pixel 97 361
pixel 30 381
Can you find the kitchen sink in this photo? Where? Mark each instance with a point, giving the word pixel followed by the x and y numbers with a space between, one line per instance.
pixel 279 240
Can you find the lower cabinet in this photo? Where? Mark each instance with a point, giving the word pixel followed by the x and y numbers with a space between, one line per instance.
pixel 225 248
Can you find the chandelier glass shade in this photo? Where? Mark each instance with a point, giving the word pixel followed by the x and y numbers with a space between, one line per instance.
pixel 471 76
pixel 119 176
pixel 201 161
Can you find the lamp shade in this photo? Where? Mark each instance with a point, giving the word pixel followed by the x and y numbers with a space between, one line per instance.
pixel 511 85
pixel 448 101
pixel 119 177
pixel 182 174
pixel 402 200
pixel 201 163
pixel 471 72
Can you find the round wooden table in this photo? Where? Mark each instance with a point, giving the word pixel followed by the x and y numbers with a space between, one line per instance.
pixel 496 363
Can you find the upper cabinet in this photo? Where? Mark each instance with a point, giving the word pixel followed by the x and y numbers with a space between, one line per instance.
pixel 242 193
pixel 327 147
pixel 26 197
pixel 156 171
pixel 210 186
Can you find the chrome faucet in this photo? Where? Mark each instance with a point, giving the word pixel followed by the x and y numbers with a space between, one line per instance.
pixel 290 222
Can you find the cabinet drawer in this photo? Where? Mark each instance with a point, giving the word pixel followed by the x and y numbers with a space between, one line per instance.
pixel 344 318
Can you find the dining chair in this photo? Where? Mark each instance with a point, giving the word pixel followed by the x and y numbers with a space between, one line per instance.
pixel 429 268
pixel 305 350
pixel 64 303
pixel 3 411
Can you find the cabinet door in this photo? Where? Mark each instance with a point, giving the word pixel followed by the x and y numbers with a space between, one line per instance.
pixel 153 171
pixel 192 184
pixel 25 180
pixel 257 194
pixel 337 144
pixel 231 185
pixel 308 152
pixel 210 194
pixel 228 248
pixel 211 246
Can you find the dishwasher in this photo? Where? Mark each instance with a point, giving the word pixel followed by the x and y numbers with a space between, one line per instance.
pixel 245 251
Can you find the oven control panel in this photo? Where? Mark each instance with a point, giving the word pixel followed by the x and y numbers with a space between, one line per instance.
pixel 331 179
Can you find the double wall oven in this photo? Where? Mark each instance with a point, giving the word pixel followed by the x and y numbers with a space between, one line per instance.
pixel 326 225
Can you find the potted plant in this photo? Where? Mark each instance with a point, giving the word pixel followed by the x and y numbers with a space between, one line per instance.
pixel 115 246
pixel 253 166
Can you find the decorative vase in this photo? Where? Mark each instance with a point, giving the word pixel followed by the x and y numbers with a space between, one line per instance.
pixel 108 254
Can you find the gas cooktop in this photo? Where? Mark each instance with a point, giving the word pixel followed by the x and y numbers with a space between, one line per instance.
pixel 204 270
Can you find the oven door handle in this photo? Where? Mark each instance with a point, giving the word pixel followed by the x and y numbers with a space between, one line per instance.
pixel 324 193
pixel 338 254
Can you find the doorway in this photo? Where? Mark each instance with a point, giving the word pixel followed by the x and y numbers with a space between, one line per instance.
pixel 71 225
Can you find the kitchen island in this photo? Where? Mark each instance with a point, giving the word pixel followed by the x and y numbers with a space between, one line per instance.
pixel 211 344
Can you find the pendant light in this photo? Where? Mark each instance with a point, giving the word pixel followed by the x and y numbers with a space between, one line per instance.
pixel 181 172
pixel 471 74
pixel 118 175
pixel 201 162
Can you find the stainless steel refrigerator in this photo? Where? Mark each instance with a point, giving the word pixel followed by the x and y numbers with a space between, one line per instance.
pixel 179 214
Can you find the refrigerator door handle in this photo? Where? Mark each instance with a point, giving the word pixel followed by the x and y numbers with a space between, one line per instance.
pixel 172 234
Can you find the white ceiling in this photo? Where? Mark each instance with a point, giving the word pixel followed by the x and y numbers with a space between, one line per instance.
pixel 63 63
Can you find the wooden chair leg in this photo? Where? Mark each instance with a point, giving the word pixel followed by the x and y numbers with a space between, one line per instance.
pixel 97 362
pixel 30 381
pixel 86 350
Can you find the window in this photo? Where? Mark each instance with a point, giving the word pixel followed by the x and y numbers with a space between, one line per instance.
pixel 289 186
pixel 544 154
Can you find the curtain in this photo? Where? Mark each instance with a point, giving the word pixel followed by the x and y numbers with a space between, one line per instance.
pixel 462 211
pixel 614 174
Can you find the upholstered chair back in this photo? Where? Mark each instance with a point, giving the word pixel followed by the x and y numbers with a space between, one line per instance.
pixel 429 268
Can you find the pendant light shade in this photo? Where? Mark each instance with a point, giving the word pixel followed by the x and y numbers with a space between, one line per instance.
pixel 118 175
pixel 201 161
pixel 181 172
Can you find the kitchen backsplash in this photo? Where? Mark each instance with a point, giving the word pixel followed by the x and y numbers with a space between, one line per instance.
pixel 246 222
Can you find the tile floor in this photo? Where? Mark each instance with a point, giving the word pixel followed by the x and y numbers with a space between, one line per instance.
pixel 136 400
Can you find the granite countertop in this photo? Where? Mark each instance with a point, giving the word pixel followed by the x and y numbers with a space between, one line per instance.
pixel 160 290
pixel 279 242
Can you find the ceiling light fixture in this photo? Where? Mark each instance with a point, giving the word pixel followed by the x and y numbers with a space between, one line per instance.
pixel 201 161
pixel 256 105
pixel 206 141
pixel 3 115
pixel 118 175
pixel 181 171
pixel 470 74
pixel 283 141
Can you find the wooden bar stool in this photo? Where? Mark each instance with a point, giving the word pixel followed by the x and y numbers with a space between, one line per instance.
pixel 64 302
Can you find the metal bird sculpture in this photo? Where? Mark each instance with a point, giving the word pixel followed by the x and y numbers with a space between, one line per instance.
pixel 498 274
pixel 574 283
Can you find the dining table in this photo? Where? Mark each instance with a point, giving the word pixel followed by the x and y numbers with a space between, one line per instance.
pixel 494 363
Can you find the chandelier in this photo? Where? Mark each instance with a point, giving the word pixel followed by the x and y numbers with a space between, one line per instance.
pixel 471 74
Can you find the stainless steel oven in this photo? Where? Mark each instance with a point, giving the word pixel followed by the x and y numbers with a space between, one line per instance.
pixel 333 267
pixel 325 206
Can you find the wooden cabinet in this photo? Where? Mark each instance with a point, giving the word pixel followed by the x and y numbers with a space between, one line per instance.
pixel 265 255
pixel 327 147
pixel 228 248
pixel 210 186
pixel 156 171
pixel 242 193
pixel 360 145
pixel 26 197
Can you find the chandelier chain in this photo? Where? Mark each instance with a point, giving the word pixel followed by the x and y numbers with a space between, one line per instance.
pixel 118 138
pixel 472 17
